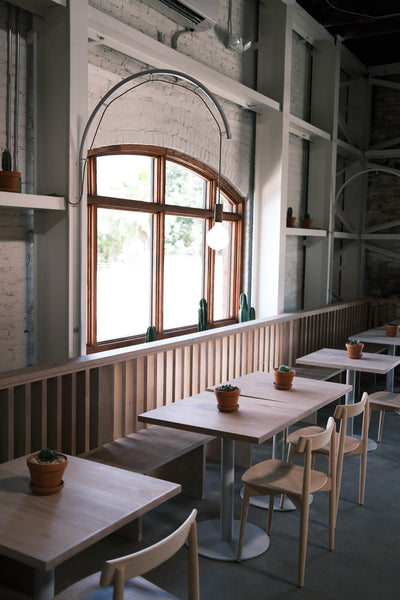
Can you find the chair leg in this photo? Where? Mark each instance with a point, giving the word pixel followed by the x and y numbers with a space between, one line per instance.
pixel 243 520
pixel 303 539
pixel 270 512
pixel 363 473
pixel 332 519
pixel 339 469
pixel 289 459
pixel 380 426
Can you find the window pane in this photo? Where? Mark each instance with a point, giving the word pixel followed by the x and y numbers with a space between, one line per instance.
pixel 228 207
pixel 183 270
pixel 183 187
pixel 222 281
pixel 125 176
pixel 123 273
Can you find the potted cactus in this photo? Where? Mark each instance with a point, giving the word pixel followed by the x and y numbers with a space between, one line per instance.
pixel 306 221
pixel 354 349
pixel 227 397
pixel 283 377
pixel 290 219
pixel 46 468
pixel 392 328
pixel 9 180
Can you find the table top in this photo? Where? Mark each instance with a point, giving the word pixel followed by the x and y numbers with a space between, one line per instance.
pixel 258 418
pixel 370 362
pixel 44 531
pixel 377 336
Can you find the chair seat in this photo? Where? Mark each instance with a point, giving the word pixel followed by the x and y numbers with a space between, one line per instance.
pixel 135 589
pixel 385 401
pixel 276 476
pixel 350 443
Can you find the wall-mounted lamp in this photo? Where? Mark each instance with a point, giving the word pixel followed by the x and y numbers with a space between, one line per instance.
pixel 217 236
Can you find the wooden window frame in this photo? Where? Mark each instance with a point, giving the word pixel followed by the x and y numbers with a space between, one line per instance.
pixel 159 208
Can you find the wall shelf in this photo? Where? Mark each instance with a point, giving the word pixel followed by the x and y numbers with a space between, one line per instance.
pixel 298 231
pixel 33 201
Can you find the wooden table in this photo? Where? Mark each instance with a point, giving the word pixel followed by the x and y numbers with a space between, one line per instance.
pixel 368 363
pixel 378 336
pixel 258 419
pixel 44 531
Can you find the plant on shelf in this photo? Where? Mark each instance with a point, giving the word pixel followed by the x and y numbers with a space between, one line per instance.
pixel 203 316
pixel 283 377
pixel 46 469
pixel 290 219
pixel 245 313
pixel 392 328
pixel 227 397
pixel 354 348
pixel 306 221
pixel 9 179
pixel 151 334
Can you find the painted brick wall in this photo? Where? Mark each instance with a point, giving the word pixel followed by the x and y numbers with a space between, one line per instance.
pixel 168 116
pixel 16 252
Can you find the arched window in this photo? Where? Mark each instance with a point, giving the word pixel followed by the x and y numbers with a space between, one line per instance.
pixel 149 210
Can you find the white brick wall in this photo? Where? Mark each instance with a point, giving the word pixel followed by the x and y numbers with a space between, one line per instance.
pixel 169 116
pixel 16 262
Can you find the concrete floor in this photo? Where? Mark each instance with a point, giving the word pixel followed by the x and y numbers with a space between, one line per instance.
pixel 364 564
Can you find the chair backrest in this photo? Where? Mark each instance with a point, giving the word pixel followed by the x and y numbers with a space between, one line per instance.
pixel 116 572
pixel 308 443
pixel 348 411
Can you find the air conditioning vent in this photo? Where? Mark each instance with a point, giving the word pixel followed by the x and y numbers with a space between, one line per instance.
pixel 192 14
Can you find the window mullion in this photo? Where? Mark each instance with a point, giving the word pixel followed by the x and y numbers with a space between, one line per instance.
pixel 158 245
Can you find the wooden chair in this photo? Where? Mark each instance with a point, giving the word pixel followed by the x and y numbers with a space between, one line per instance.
pixel 121 576
pixel 346 444
pixel 384 402
pixel 274 477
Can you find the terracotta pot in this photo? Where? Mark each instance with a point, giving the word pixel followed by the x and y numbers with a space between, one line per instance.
pixel 46 478
pixel 306 223
pixel 283 379
pixel 227 401
pixel 9 181
pixel 392 330
pixel 354 350
pixel 290 221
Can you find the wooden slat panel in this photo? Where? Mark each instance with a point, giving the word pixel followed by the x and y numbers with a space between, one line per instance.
pixel 6 424
pixel 80 406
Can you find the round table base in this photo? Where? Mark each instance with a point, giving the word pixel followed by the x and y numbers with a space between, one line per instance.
pixel 256 541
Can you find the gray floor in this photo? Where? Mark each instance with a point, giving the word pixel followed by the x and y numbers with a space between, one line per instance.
pixel 364 564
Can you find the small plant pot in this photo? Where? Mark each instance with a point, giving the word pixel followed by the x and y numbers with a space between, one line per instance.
pixel 290 221
pixel 9 181
pixel 392 330
pixel 306 223
pixel 283 379
pixel 46 478
pixel 227 401
pixel 354 350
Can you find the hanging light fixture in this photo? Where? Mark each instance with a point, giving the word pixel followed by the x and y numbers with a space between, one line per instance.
pixel 218 237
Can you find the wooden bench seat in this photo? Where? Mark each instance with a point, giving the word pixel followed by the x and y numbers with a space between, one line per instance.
pixel 163 452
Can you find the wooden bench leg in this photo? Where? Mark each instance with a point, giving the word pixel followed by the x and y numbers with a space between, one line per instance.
pixel 189 470
pixel 133 531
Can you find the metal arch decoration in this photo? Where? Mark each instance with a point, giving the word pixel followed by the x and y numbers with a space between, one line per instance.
pixel 151 74
pixel 369 170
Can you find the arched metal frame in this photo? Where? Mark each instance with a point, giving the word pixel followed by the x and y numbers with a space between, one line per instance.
pixel 176 78
pixel 376 169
